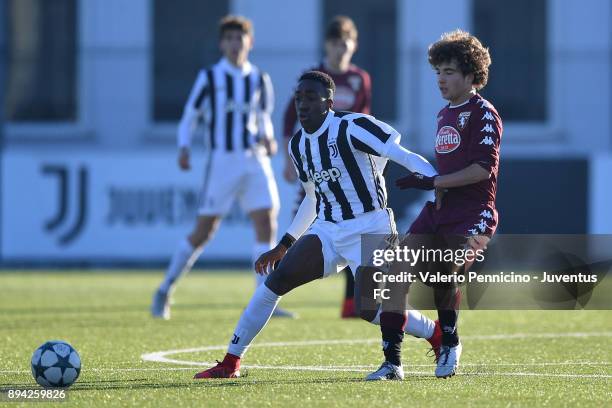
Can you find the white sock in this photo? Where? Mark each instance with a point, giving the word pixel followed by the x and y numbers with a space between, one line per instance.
pixel 253 319
pixel 417 325
pixel 258 249
pixel 183 259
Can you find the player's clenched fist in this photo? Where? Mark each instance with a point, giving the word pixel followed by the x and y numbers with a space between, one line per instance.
pixel 416 180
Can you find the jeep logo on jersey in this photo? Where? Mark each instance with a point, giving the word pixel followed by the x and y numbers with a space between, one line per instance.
pixel 448 140
pixel 332 175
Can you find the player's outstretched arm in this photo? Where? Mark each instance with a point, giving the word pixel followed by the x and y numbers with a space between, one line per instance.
pixel 373 136
pixel 410 160
pixel 303 218
pixel 472 174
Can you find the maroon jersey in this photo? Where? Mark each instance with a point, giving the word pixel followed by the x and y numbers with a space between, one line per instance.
pixel 469 133
pixel 353 93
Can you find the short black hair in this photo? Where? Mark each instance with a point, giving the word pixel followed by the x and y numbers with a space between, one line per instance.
pixel 341 27
pixel 323 79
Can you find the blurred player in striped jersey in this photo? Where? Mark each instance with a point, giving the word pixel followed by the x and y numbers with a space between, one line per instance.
pixel 353 93
pixel 235 100
pixel 339 158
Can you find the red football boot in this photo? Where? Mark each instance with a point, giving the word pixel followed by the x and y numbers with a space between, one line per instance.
pixel 348 309
pixel 436 340
pixel 228 368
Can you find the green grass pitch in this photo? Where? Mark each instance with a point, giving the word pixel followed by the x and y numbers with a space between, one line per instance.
pixel 510 358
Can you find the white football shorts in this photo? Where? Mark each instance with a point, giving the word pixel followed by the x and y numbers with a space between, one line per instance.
pixel 341 242
pixel 244 176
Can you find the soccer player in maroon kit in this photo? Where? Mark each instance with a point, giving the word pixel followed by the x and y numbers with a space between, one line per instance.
pixel 353 93
pixel 464 215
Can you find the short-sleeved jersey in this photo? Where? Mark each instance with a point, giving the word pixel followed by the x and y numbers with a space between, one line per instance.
pixel 235 103
pixel 345 159
pixel 353 93
pixel 468 133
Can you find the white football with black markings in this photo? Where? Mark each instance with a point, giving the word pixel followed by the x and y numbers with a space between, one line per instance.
pixel 56 364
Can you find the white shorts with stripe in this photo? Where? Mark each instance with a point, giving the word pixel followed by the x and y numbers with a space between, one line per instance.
pixel 341 242
pixel 244 176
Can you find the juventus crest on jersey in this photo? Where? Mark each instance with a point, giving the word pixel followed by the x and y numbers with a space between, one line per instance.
pixel 344 159
pixel 236 104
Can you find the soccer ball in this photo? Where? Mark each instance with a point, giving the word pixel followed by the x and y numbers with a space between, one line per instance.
pixel 56 364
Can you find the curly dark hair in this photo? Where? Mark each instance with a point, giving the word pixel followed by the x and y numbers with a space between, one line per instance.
pixel 471 56
pixel 323 79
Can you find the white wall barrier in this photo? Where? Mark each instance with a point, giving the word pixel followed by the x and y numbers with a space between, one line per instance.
pixel 111 206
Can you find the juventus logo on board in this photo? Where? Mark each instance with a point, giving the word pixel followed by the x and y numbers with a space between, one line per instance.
pixel 64 207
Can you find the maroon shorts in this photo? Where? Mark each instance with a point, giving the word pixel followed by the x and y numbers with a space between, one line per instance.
pixel 478 223
pixel 428 232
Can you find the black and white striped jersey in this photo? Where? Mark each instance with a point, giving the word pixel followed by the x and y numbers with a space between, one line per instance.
pixel 235 105
pixel 345 159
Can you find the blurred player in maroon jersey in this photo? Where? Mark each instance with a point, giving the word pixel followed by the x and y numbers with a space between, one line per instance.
pixel 464 215
pixel 353 93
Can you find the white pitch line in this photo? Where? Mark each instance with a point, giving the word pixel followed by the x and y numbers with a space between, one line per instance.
pixel 161 356
pixel 535 335
pixel 521 374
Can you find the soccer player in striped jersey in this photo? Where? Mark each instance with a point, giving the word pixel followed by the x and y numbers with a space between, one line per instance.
pixel 235 100
pixel 339 158
pixel 464 215
pixel 353 93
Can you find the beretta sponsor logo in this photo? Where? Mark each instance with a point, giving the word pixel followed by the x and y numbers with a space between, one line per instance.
pixel 448 139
